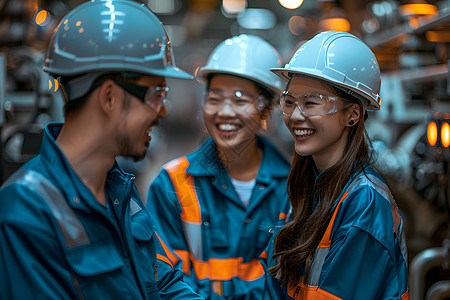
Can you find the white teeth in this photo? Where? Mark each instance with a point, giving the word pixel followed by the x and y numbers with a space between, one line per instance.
pixel 227 127
pixel 149 131
pixel 303 132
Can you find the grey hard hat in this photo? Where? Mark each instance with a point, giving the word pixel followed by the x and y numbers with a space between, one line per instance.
pixel 116 35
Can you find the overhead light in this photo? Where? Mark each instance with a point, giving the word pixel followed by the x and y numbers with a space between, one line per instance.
pixel 297 25
pixel 233 7
pixel 432 133
pixel 438 36
pixel 338 24
pixel 164 7
pixel 445 135
pixel 42 17
pixel 417 9
pixel 291 4
pixel 257 18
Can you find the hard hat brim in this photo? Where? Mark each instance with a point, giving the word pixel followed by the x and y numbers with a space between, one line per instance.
pixel 170 72
pixel 203 75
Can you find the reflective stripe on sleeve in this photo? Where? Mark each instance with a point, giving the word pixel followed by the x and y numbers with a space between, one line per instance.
pixel 71 228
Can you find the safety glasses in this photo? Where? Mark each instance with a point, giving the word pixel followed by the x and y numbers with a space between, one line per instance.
pixel 155 96
pixel 310 104
pixel 239 101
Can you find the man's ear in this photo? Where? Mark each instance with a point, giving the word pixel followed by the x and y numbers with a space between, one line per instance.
pixel 353 115
pixel 107 96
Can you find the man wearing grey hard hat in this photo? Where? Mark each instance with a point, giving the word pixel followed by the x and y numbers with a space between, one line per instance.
pixel 72 224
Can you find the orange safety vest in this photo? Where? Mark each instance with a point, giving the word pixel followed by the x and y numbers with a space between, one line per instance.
pixel 215 269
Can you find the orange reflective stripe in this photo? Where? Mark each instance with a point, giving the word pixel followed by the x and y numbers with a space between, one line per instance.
pixel 251 270
pixel 263 255
pixel 282 216
pixel 326 242
pixel 184 187
pixel 405 296
pixel 164 259
pixel 169 253
pixel 304 292
pixel 228 268
pixel 185 263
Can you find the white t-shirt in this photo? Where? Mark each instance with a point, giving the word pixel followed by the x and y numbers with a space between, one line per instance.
pixel 243 189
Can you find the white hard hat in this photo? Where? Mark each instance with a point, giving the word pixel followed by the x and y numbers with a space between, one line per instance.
pixel 245 56
pixel 340 59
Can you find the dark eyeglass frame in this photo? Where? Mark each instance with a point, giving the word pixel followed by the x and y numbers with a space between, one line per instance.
pixel 154 96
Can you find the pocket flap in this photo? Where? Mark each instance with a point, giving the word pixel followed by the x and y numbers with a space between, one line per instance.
pixel 94 259
pixel 141 226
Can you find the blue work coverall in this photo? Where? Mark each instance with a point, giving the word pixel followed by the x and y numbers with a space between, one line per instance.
pixel 215 238
pixel 362 254
pixel 58 242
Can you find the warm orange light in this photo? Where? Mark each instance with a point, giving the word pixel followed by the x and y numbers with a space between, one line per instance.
pixel 432 133
pixel 56 84
pixel 338 24
pixel 445 135
pixel 50 84
pixel 438 36
pixel 42 17
pixel 417 9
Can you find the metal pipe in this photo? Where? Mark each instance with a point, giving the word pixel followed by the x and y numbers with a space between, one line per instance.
pixel 439 291
pixel 420 265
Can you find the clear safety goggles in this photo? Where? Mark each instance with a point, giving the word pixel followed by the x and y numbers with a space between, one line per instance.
pixel 241 102
pixel 310 104
pixel 154 96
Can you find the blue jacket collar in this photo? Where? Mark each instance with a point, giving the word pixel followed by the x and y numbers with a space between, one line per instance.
pixel 206 162
pixel 70 184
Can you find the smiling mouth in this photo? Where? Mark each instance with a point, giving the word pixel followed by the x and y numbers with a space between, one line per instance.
pixel 227 127
pixel 304 132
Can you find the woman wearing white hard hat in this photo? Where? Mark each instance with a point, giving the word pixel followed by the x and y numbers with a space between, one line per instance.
pixel 345 239
pixel 216 206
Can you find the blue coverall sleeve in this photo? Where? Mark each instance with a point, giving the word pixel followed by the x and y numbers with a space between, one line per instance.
pixel 363 262
pixel 164 207
pixel 361 268
pixel 30 261
pixel 170 283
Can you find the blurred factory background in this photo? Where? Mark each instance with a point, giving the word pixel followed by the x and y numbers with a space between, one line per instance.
pixel 411 134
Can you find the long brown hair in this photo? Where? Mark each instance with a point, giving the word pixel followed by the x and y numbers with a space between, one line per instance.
pixel 296 243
